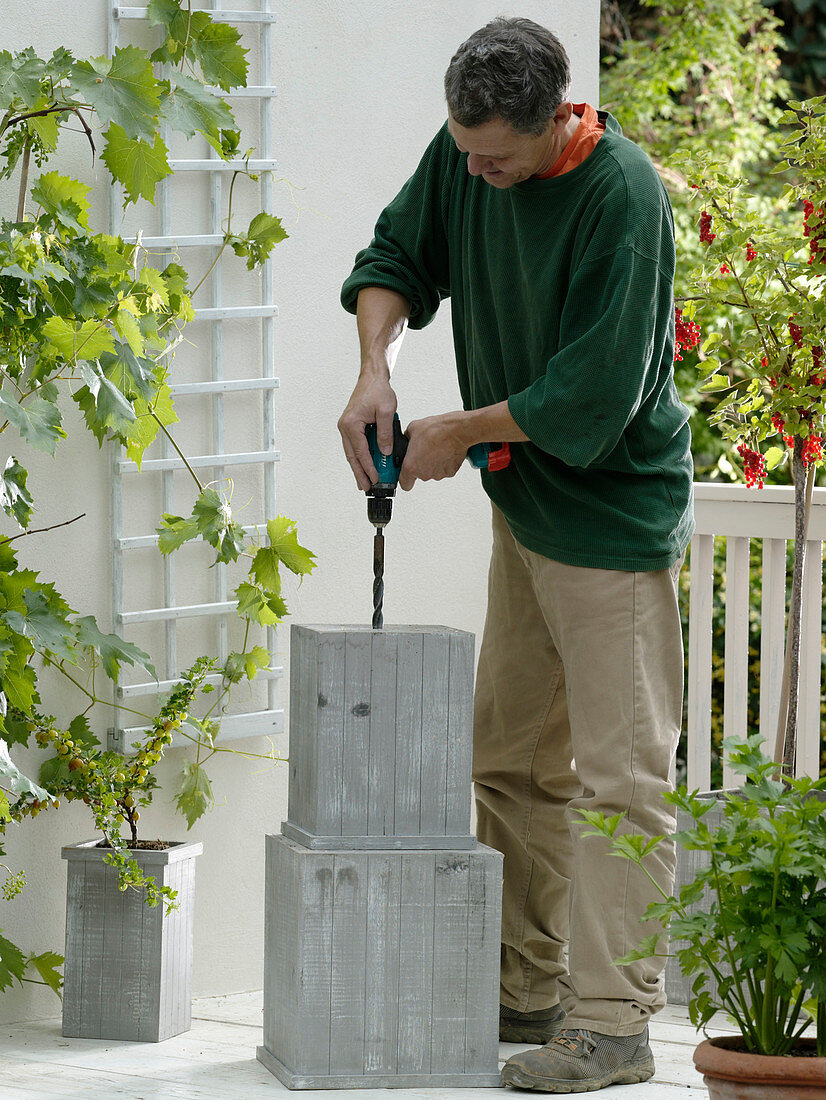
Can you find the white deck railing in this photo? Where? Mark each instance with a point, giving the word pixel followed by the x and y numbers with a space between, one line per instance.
pixel 740 514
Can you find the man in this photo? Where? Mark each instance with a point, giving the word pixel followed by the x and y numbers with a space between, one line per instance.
pixel 553 236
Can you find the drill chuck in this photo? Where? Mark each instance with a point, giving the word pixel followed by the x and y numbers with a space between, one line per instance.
pixel 379 507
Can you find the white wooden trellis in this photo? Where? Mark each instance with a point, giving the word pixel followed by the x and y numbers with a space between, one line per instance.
pixel 739 514
pixel 224 453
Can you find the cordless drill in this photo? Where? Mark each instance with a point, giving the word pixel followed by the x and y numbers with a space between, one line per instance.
pixel 482 456
pixel 380 504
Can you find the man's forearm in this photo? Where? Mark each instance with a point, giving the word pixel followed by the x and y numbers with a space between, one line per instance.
pixel 382 319
pixel 491 424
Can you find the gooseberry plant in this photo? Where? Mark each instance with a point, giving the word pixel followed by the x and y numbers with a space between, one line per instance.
pixel 85 317
pixel 769 383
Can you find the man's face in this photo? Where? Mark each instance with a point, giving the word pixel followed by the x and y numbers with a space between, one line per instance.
pixel 501 156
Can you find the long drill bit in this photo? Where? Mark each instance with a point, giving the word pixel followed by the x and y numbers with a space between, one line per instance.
pixel 378 579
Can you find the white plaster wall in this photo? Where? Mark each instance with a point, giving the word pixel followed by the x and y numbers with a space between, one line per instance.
pixel 360 95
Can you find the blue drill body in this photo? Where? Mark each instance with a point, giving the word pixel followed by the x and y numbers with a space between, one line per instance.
pixel 482 456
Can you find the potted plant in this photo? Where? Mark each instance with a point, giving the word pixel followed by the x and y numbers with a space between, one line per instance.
pixel 85 317
pixel 753 914
pixel 756 949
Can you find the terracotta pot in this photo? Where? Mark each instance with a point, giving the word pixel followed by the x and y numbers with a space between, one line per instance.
pixel 732 1074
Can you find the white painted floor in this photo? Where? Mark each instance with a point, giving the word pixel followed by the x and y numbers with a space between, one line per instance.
pixel 216 1061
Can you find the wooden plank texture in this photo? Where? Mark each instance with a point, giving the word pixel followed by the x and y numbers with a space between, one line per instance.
pixel 303 717
pixel 435 718
pixel 483 950
pixel 701 604
pixel 358 663
pixel 459 734
pixel 397 967
pixel 382 752
pixel 326 781
pixel 416 964
pixel 381 1006
pixel 811 649
pixel 407 735
pixel 128 966
pixel 350 954
pixel 314 953
pixel 735 688
pixel 450 961
pixel 380 734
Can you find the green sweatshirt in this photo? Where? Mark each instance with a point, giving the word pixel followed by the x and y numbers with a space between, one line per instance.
pixel 562 304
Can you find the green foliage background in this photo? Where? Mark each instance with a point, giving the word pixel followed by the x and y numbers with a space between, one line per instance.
pixel 685 78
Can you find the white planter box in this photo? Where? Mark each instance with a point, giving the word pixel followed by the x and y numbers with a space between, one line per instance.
pixel 128 970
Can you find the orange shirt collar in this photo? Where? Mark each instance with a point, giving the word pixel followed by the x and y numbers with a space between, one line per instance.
pixel 582 143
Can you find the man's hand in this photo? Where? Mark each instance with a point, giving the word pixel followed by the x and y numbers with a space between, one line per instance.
pixel 437 448
pixel 372 402
pixel 382 317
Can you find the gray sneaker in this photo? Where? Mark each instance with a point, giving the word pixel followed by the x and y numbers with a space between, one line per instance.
pixel 581 1061
pixel 530 1027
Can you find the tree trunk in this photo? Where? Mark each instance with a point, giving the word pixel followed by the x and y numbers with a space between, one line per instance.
pixel 786 744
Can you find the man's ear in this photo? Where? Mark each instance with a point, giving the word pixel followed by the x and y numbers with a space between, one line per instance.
pixel 562 115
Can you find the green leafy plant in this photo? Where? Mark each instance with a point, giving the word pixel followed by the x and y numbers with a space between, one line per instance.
pixel 86 317
pixel 761 938
pixel 15 965
pixel 689 76
pixel 768 379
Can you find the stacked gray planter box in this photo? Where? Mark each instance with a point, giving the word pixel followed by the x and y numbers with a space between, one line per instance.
pixel 128 969
pixel 689 862
pixel 383 913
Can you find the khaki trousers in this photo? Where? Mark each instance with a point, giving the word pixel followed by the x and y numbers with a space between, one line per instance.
pixel 578 706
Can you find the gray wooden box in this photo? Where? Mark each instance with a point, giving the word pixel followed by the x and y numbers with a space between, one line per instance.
pixel 677 985
pixel 380 737
pixel 381 968
pixel 128 969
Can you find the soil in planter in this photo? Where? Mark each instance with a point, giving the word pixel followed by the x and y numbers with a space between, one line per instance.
pixel 140 845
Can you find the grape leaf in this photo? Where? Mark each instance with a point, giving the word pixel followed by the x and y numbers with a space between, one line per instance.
pixel 262 607
pixel 174 531
pixel 78 340
pixel 122 90
pixel 64 198
pixel 19 680
pixel 12 963
pixel 194 793
pixel 264 233
pixel 80 732
pixel 213 516
pixel 146 426
pixel 284 540
pixel 246 664
pixel 46 964
pixel 265 568
pixel 222 59
pixel 191 108
pixel 15 498
pixel 20 77
pixel 109 409
pixel 13 779
pixel 16 731
pixel 130 373
pixel 136 164
pixel 161 13
pixel 45 623
pixel 38 421
pixel 151 278
pixel 126 325
pixel 112 650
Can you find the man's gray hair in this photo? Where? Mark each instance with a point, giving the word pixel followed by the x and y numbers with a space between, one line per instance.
pixel 512 69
